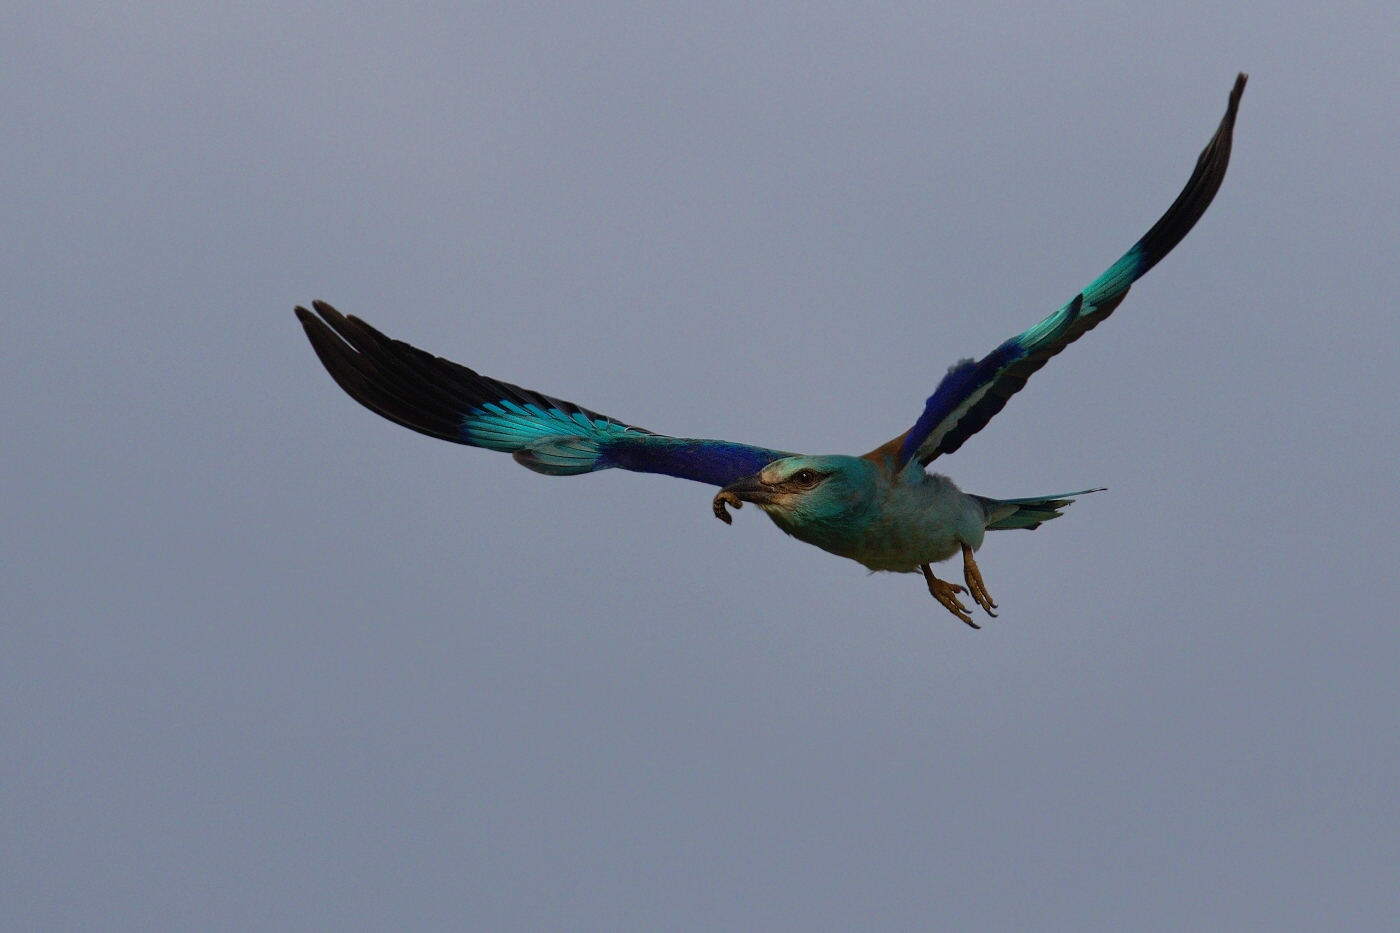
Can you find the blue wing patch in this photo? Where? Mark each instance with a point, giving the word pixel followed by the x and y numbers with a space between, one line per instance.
pixel 718 463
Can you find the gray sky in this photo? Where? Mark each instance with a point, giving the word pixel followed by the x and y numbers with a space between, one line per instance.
pixel 268 661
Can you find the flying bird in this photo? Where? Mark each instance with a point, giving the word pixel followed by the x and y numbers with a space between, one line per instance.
pixel 882 509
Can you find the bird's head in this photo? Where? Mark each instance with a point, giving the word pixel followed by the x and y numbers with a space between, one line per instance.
pixel 801 493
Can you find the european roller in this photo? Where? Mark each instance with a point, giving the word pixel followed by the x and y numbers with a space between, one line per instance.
pixel 883 509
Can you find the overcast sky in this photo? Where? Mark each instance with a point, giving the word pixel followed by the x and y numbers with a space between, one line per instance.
pixel 269 662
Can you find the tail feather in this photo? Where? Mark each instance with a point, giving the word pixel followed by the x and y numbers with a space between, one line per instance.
pixel 1027 513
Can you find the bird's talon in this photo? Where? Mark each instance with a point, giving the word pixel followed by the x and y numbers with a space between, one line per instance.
pixel 946 594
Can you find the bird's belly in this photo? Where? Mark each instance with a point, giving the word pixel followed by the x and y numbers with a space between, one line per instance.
pixel 904 554
pixel 899 547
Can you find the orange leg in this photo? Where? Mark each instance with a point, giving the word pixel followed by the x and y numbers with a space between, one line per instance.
pixel 975 587
pixel 947 594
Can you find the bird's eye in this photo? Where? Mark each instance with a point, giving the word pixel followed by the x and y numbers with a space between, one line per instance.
pixel 805 477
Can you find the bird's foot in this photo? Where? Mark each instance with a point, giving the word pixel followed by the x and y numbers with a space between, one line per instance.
pixel 721 512
pixel 947 594
pixel 975 587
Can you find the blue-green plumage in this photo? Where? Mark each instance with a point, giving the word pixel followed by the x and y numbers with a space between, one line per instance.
pixel 882 509
pixel 894 521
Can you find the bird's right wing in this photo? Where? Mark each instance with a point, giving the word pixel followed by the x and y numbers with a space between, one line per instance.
pixel 443 399
pixel 973 391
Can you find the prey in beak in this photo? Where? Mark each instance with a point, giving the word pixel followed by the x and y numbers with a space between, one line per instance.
pixel 749 489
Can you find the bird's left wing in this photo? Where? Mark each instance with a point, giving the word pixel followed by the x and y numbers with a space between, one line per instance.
pixel 443 399
pixel 973 391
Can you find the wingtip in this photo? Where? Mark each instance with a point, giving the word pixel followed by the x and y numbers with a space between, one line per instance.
pixel 330 314
pixel 1237 92
pixel 322 308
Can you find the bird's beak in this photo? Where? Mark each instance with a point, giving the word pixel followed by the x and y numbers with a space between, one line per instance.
pixel 748 489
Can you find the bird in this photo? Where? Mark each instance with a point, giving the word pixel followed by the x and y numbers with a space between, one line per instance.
pixel 883 509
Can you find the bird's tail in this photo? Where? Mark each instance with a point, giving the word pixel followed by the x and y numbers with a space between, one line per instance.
pixel 1026 513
